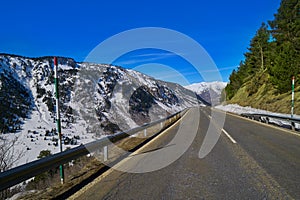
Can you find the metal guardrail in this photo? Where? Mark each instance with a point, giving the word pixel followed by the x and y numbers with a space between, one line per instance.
pixel 24 172
pixel 266 118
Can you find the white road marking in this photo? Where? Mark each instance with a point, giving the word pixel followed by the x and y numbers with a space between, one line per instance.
pixel 122 162
pixel 225 132
pixel 229 136
pixel 264 124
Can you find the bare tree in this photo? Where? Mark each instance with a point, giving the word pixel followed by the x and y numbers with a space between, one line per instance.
pixel 8 156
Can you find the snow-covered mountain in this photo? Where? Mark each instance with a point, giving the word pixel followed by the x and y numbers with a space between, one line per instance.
pixel 95 100
pixel 209 91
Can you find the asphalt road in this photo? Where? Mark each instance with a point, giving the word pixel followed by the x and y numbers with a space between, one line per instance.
pixel 248 161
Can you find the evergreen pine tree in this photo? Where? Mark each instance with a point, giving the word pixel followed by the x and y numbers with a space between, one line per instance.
pixel 286 33
pixel 258 56
pixel 275 51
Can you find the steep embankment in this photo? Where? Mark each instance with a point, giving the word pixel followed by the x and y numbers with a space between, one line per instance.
pixel 259 92
pixel 263 79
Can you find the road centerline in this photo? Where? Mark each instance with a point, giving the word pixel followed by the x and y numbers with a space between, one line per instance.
pixel 229 136
pixel 224 131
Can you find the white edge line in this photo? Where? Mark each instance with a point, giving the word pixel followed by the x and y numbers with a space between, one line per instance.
pixel 81 191
pixel 157 137
pixel 263 124
pixel 227 134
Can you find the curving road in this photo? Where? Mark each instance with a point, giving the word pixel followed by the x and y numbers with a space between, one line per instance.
pixel 249 161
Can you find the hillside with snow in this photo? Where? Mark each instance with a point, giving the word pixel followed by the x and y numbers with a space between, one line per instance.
pixel 209 91
pixel 95 100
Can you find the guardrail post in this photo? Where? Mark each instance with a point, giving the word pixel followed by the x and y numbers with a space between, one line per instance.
pixel 266 119
pixel 293 126
pixel 105 153
pixel 145 132
pixel 22 173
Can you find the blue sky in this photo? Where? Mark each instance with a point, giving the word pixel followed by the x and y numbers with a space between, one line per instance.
pixel 74 28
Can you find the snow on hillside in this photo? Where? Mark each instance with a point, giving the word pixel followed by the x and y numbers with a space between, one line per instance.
pixel 203 86
pixel 95 100
pixel 209 91
pixel 237 109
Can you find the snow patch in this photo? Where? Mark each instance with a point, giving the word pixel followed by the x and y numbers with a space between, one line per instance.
pixel 203 86
pixel 81 95
pixel 237 109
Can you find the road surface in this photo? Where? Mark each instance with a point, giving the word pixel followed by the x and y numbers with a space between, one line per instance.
pixel 249 161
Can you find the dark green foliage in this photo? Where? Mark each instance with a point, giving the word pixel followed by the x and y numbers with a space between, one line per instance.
pixel 49 101
pixel 44 176
pixel 165 95
pixel 285 26
pixel 258 56
pixel 111 128
pixel 286 65
pixel 141 100
pixel 40 91
pixel 256 59
pixel 275 51
pixel 286 33
pixel 15 103
pixel 44 153
pixel 237 78
pixel 140 103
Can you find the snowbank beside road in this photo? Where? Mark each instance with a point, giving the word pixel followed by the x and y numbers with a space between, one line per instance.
pixel 237 109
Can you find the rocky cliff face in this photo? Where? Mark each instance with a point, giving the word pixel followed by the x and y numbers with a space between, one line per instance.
pixel 94 98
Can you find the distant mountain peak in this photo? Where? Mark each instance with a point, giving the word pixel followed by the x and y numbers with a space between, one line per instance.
pixel 209 91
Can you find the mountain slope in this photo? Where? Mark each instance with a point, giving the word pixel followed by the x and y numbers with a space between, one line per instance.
pixel 95 100
pixel 263 78
pixel 260 93
pixel 209 91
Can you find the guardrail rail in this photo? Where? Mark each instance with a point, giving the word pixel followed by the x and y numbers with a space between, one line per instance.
pixel 24 172
pixel 265 118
